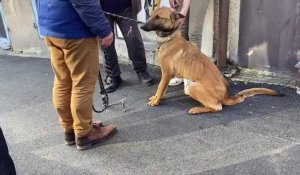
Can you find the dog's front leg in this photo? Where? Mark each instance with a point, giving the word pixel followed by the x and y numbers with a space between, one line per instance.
pixel 163 84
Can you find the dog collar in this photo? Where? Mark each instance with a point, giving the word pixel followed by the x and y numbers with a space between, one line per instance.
pixel 162 40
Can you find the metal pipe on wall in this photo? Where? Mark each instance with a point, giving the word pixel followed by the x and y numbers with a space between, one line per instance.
pixel 223 33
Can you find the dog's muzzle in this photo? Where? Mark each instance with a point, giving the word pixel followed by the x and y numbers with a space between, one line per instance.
pixel 145 27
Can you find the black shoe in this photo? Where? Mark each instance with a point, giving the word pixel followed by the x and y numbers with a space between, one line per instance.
pixel 112 83
pixel 145 78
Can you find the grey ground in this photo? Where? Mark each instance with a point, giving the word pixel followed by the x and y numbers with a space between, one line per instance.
pixel 259 136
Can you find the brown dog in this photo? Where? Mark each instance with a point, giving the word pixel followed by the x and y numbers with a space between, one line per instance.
pixel 180 58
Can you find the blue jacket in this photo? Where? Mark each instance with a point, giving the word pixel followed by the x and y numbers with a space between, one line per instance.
pixel 72 19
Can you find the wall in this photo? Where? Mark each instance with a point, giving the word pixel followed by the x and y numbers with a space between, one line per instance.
pixel 20 22
pixel 269 38
pixel 19 15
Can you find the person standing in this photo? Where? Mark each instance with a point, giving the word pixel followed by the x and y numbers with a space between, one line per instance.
pixel 133 40
pixel 72 31
pixel 7 166
pixel 192 25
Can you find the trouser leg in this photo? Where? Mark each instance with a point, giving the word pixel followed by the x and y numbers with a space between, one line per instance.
pixel 133 40
pixel 82 59
pixel 185 26
pixel 62 85
pixel 111 62
pixel 198 10
pixel 193 24
pixel 192 27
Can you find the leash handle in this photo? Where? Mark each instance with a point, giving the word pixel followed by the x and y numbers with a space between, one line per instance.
pixel 104 96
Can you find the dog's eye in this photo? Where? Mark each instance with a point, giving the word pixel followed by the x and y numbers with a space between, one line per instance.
pixel 157 17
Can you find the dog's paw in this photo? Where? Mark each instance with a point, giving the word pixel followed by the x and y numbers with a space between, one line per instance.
pixel 154 101
pixel 153 97
pixel 194 111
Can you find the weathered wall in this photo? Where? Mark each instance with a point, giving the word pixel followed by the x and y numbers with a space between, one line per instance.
pixel 20 22
pixel 269 37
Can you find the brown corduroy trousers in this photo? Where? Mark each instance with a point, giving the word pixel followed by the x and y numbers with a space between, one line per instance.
pixel 75 63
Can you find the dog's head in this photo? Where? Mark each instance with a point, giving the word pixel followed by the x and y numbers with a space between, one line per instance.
pixel 163 21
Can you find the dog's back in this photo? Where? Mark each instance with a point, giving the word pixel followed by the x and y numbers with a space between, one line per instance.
pixel 188 62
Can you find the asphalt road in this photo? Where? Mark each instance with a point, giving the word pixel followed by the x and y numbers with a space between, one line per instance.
pixel 258 136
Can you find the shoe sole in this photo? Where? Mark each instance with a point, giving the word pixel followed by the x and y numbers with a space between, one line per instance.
pixel 110 91
pixel 149 84
pixel 84 147
pixel 176 83
pixel 69 143
pixel 113 90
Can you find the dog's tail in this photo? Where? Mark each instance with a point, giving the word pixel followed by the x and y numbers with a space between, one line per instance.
pixel 240 97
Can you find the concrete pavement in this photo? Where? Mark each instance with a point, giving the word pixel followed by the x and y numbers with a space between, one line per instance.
pixel 258 136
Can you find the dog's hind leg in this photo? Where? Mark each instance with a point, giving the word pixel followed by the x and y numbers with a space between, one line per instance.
pixel 198 92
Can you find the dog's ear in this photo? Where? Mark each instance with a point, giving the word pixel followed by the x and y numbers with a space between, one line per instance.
pixel 175 16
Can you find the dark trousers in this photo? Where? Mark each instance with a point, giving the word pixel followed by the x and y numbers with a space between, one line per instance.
pixel 7 166
pixel 134 43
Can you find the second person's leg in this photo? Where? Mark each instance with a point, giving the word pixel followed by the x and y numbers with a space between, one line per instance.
pixel 135 45
pixel 198 10
pixel 113 79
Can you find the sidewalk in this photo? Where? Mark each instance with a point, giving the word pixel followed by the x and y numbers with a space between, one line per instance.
pixel 258 136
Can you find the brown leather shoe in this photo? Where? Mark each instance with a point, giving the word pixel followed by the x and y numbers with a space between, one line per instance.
pixel 98 134
pixel 70 135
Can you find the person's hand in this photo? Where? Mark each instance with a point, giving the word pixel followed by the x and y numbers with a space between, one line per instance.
pixel 106 42
pixel 174 4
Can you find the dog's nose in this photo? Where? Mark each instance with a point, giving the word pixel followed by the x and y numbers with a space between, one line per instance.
pixel 145 27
